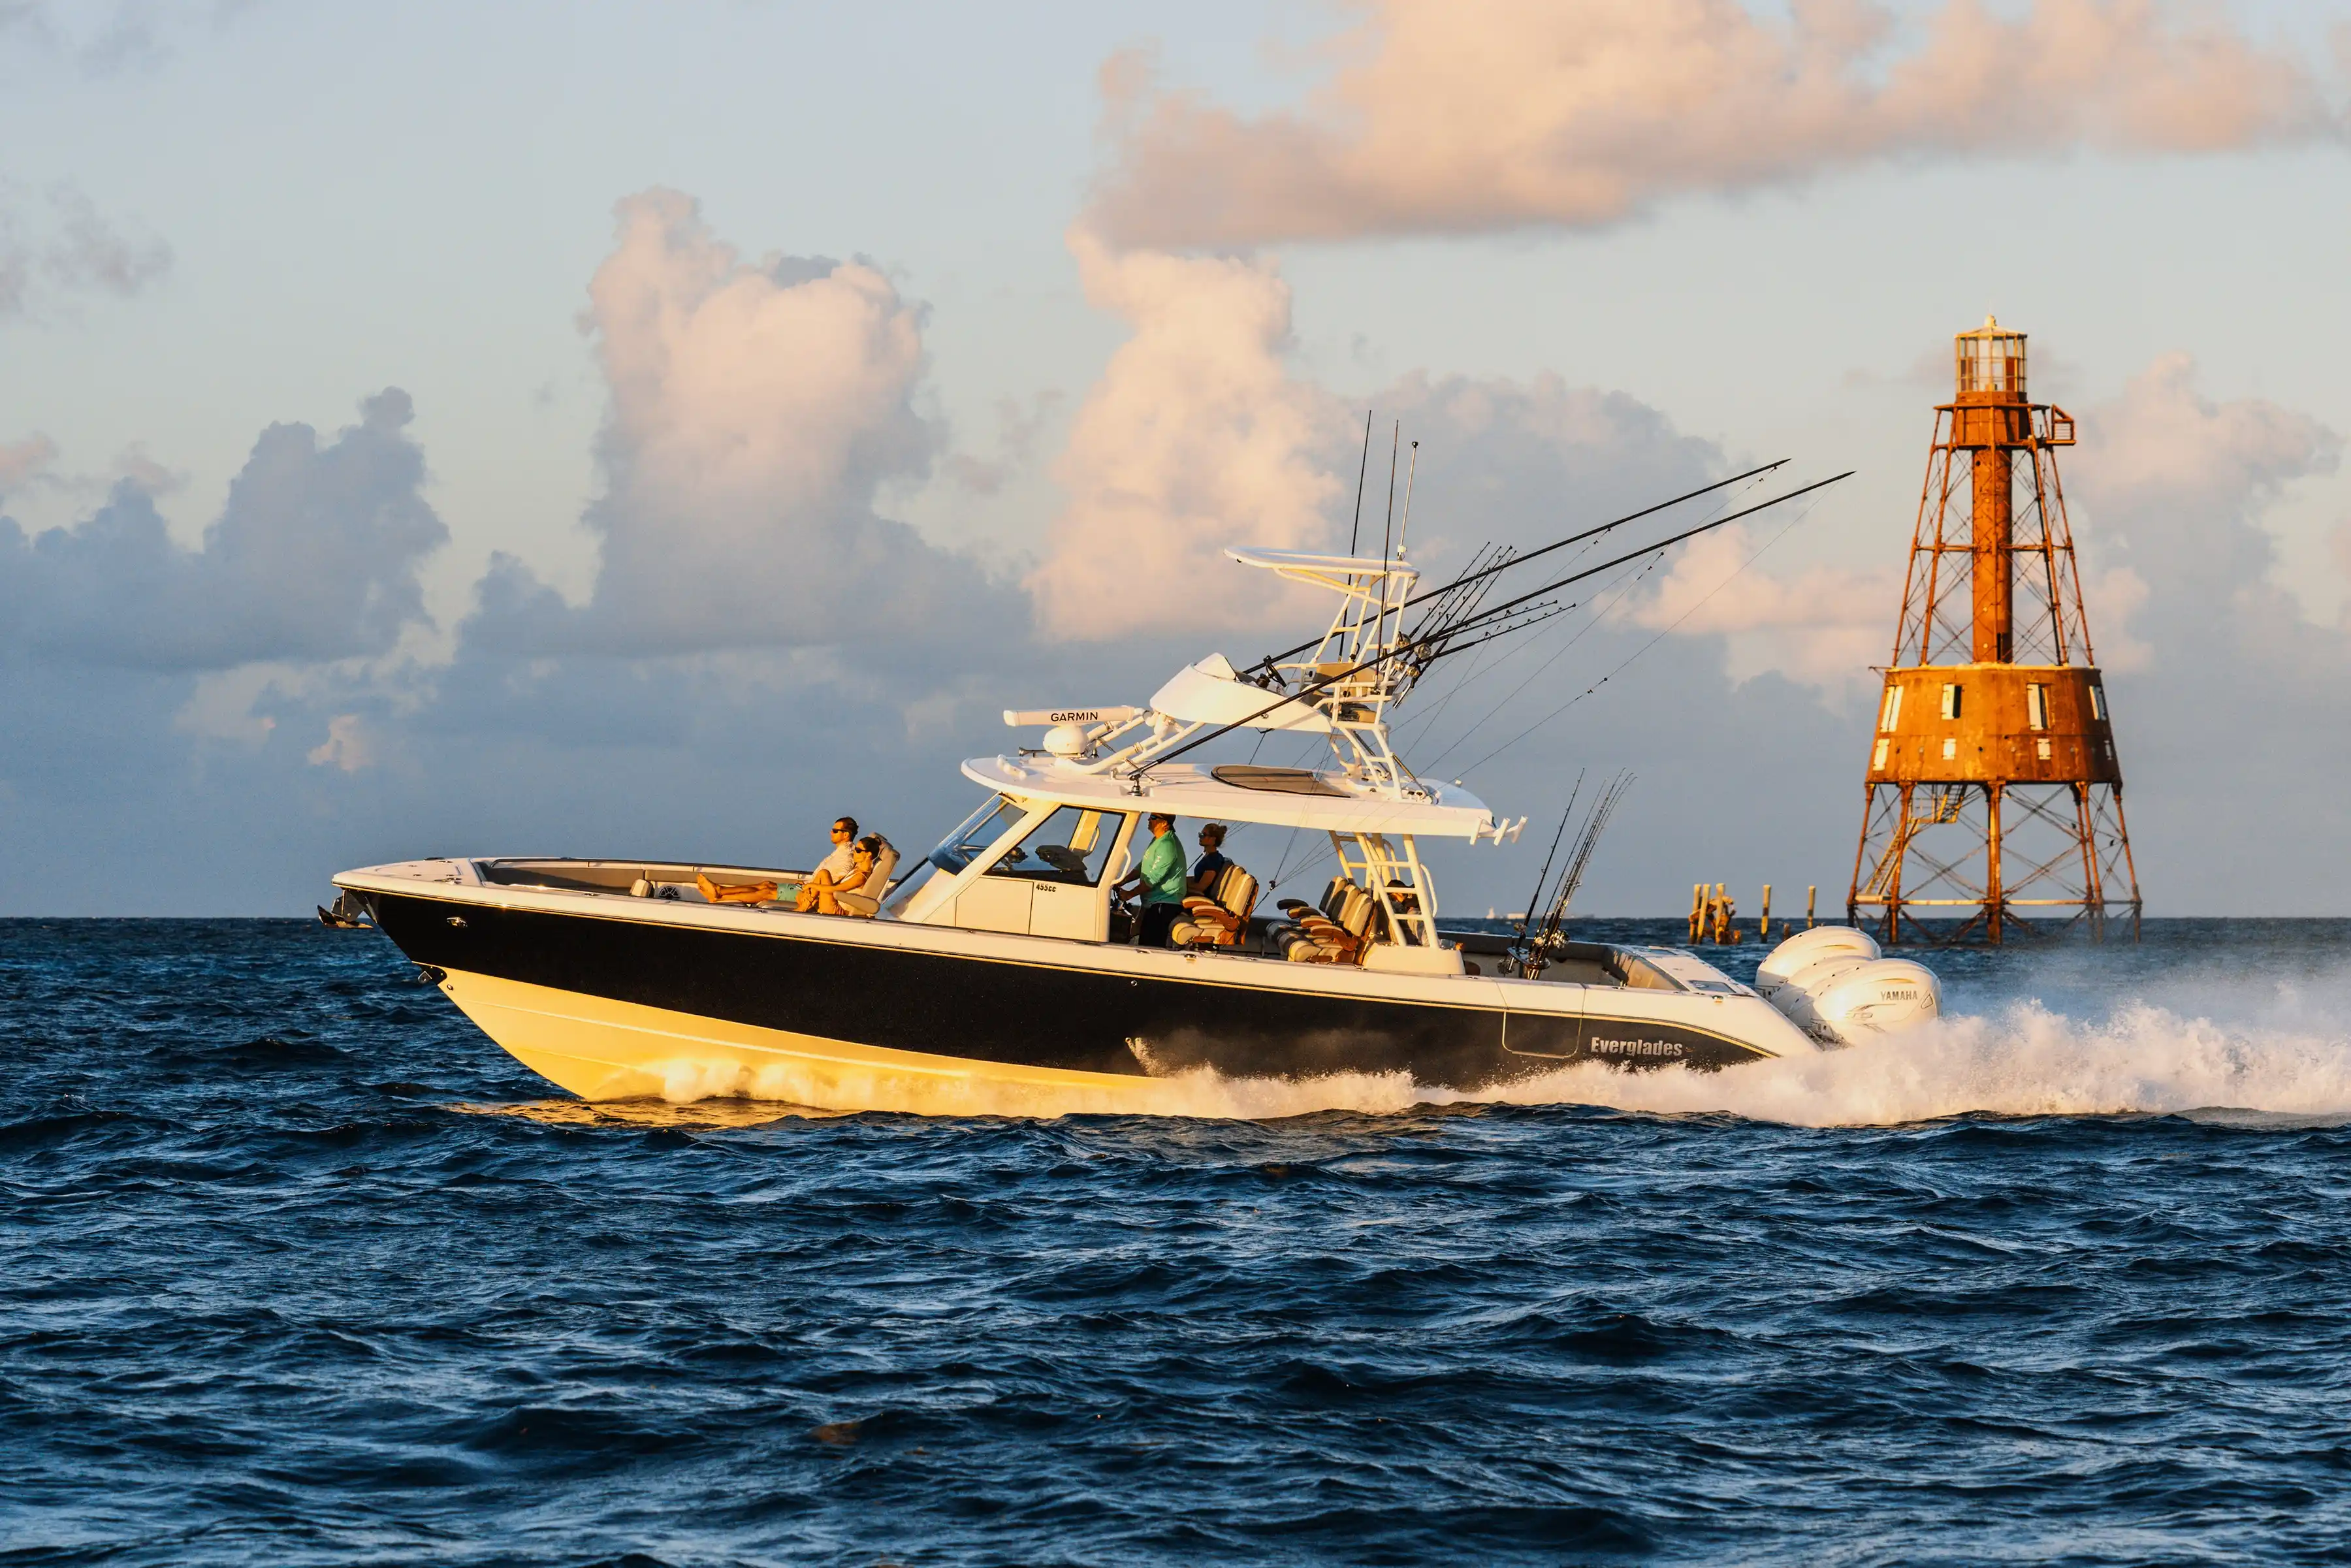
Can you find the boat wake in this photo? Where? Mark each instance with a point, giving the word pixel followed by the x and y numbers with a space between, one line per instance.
pixel 2141 1059
pixel 2282 1054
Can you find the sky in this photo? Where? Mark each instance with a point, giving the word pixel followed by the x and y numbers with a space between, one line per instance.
pixel 650 430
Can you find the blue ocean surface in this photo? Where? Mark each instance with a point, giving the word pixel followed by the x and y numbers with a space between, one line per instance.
pixel 296 1268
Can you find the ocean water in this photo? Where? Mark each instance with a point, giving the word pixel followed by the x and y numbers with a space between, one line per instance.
pixel 296 1268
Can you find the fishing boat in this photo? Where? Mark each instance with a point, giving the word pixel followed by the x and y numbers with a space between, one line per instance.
pixel 1002 972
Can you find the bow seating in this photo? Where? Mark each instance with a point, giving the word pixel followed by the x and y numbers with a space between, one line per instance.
pixel 1334 932
pixel 1221 917
pixel 734 892
pixel 864 903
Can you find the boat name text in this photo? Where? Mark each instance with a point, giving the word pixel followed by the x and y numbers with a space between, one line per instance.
pixel 1636 1048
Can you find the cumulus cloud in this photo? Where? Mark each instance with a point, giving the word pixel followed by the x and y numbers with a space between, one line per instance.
pixel 1823 626
pixel 23 461
pixel 1525 462
pixel 1460 116
pixel 2167 492
pixel 67 247
pixel 314 557
pixel 756 410
pixel 106 38
pixel 1198 436
pixel 345 746
pixel 2177 482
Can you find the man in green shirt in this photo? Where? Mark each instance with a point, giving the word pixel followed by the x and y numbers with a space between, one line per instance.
pixel 1161 877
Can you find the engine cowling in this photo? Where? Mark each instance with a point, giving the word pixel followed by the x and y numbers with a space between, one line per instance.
pixel 1881 997
pixel 1808 947
pixel 1832 983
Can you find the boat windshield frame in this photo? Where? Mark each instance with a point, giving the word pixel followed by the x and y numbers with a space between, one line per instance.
pixel 978 832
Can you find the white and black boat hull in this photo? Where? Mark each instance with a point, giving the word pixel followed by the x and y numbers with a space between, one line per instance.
pixel 613 998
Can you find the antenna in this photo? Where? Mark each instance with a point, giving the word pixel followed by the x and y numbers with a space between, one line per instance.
pixel 1388 535
pixel 1404 528
pixel 1362 466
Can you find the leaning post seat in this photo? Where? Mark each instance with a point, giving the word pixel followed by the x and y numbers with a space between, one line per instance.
pixel 1221 917
pixel 1336 932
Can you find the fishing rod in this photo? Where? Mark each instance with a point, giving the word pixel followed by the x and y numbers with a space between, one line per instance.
pixel 1270 660
pixel 1650 548
pixel 1518 938
pixel 1534 957
pixel 1324 683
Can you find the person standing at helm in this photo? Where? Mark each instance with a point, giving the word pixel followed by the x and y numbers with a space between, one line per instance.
pixel 1163 880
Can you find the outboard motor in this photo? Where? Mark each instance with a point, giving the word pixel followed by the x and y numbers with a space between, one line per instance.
pixel 1831 983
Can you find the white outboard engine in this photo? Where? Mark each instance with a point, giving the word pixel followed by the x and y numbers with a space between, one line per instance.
pixel 1831 983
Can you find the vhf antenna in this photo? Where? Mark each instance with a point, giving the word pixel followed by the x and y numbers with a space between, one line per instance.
pixel 1363 467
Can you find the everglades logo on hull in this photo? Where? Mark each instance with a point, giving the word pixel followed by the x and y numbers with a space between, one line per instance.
pixel 1638 1047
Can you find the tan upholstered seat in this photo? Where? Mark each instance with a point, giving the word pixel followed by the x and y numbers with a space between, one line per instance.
pixel 1336 932
pixel 1221 916
pixel 861 903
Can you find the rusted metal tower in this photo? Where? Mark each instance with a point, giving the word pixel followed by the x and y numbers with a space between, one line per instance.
pixel 1994 798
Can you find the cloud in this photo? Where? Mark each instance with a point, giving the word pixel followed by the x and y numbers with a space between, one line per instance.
pixel 89 252
pixel 2167 492
pixel 75 249
pixel 756 412
pixel 1196 437
pixel 313 558
pixel 1467 116
pixel 1823 626
pixel 103 39
pixel 345 746
pixel 1525 462
pixel 2175 483
pixel 22 462
pixel 1199 435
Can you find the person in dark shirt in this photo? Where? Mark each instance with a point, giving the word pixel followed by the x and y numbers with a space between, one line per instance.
pixel 1212 859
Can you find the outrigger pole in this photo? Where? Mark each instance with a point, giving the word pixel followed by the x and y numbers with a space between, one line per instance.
pixel 1324 683
pixel 1268 663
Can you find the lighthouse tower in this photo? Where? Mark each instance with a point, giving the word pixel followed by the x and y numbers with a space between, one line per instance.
pixel 1994 798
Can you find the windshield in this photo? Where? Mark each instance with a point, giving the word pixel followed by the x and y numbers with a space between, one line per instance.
pixel 1071 846
pixel 981 829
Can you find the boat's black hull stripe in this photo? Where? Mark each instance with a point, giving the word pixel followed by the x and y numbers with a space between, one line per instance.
pixel 1016 1014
